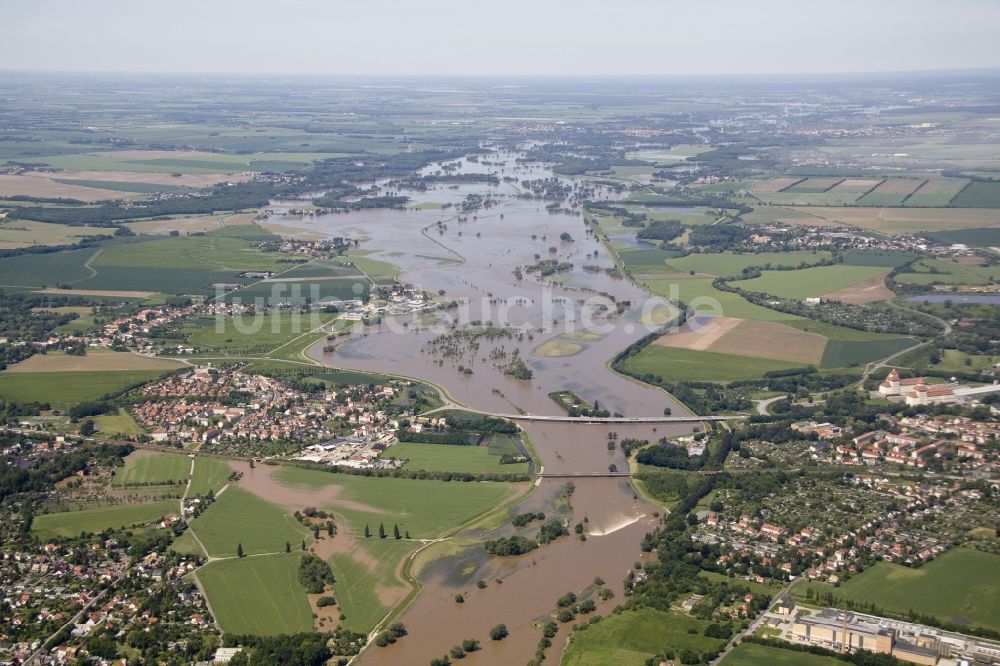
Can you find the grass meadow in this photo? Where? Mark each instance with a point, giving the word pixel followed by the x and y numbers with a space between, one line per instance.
pixel 960 587
pixel 258 595
pixel 71 523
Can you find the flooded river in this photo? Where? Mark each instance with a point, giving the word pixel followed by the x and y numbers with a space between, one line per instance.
pixel 567 334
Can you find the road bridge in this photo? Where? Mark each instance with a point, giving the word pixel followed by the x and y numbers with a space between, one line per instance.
pixel 620 419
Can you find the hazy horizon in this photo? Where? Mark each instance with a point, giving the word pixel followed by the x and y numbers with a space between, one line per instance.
pixel 441 38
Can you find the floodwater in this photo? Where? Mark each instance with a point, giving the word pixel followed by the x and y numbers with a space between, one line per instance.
pixel 473 261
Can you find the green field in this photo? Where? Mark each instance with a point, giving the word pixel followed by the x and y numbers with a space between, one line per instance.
pixel 380 271
pixel 65 389
pixel 150 468
pixel 121 423
pixel 953 360
pixel 791 198
pixel 164 163
pixel 844 353
pixel 321 268
pixel 679 365
pixel 124 186
pixel 632 637
pixel 316 290
pixel 978 195
pixel 886 258
pixel 936 192
pixel 240 517
pixel 250 335
pixel 218 250
pixel 258 595
pixel 730 264
pixel 974 236
pixel 751 654
pixel 71 523
pixel 646 260
pixel 424 508
pixel 701 295
pixel 357 585
pixel 809 282
pixel 941 271
pixel 447 458
pixel 45 270
pixel 209 474
pixel 960 587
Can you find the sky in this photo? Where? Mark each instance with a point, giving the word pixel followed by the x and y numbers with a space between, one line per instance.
pixel 500 37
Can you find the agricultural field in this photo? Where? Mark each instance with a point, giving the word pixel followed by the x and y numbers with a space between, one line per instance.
pixel 975 237
pixel 892 192
pixel 240 517
pixel 936 192
pixel 978 194
pixel 188 225
pixel 176 161
pixel 111 425
pixel 857 185
pixel 699 294
pixel 34 184
pixel 342 288
pixel 257 595
pixel 209 474
pixel 832 197
pixel 813 185
pixel 707 348
pixel 376 269
pixel 250 335
pixel 773 340
pixel 726 264
pixel 71 523
pixel 26 233
pixel 96 360
pixel 960 587
pixel 646 260
pixel 152 468
pixel 773 185
pixel 678 365
pixel 632 637
pixel 949 271
pixel 424 508
pixel 897 220
pixel 365 577
pixel 751 654
pixel 447 458
pixel 65 389
pixel 847 353
pixel 45 270
pixel 810 282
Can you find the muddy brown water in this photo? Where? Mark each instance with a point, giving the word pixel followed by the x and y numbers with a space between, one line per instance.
pixel 474 261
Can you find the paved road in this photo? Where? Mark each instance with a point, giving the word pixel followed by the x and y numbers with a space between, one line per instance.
pixel 755 625
pixel 764 405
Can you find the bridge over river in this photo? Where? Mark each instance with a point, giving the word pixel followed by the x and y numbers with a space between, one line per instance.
pixel 621 419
